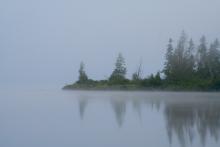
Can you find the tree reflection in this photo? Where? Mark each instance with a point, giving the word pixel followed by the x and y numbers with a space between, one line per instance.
pixel 186 120
pixel 119 107
pixel 180 120
pixel 209 121
pixel 83 102
pixel 82 106
pixel 137 107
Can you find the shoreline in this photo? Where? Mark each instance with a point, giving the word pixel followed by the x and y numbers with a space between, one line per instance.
pixel 141 89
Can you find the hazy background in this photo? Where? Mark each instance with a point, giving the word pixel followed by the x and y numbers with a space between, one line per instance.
pixel 42 42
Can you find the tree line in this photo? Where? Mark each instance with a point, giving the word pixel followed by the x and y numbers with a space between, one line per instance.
pixel 186 66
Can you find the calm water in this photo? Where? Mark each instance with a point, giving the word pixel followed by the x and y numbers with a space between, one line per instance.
pixel 50 118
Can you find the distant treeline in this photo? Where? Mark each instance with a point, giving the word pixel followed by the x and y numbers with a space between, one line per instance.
pixel 187 67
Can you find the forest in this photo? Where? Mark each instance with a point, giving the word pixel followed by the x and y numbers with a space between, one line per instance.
pixel 187 66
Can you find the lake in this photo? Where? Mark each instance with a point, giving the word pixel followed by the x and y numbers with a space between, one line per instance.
pixel 56 118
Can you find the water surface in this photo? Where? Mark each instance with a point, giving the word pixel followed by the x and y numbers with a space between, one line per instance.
pixel 55 118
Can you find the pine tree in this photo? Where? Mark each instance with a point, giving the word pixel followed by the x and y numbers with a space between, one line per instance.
pixel 118 75
pixel 179 67
pixel 158 79
pixel 202 59
pixel 214 59
pixel 83 78
pixel 180 62
pixel 168 63
pixel 190 60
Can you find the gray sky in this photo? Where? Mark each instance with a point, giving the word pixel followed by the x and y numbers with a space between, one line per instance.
pixel 43 41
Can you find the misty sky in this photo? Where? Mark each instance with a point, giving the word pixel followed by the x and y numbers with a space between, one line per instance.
pixel 43 41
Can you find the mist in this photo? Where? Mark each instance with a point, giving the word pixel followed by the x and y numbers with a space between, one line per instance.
pixel 42 42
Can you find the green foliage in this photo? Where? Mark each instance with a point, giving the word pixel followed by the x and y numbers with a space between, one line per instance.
pixel 118 75
pixel 215 84
pixel 83 78
pixel 168 69
pixel 152 81
pixel 187 67
pixel 214 59
pixel 180 62
pixel 202 60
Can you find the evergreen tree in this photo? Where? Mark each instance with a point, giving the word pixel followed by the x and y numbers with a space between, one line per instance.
pixel 190 60
pixel 202 59
pixel 179 59
pixel 158 80
pixel 184 68
pixel 214 59
pixel 154 81
pixel 83 78
pixel 180 63
pixel 168 63
pixel 179 67
pixel 118 75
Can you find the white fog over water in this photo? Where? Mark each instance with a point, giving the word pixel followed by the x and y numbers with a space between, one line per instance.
pixel 94 118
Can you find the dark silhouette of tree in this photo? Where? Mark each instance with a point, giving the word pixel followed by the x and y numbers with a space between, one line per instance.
pixel 153 81
pixel 83 78
pixel 202 59
pixel 119 73
pixel 190 60
pixel 214 59
pixel 168 68
pixel 179 60
pixel 179 64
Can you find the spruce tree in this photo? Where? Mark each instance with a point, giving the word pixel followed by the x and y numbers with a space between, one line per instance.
pixel 83 78
pixel 119 73
pixel 190 60
pixel 214 59
pixel 168 63
pixel 202 59
pixel 179 67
